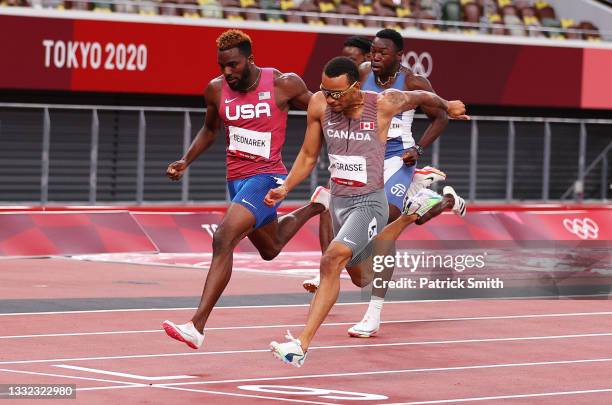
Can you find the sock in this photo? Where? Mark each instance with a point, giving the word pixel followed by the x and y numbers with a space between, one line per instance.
pixel 371 319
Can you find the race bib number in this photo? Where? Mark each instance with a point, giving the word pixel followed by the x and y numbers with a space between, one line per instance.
pixel 249 144
pixel 348 170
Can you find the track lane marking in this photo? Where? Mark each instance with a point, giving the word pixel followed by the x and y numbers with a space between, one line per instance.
pixel 357 346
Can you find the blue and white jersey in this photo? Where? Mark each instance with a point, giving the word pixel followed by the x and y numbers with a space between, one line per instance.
pixel 399 137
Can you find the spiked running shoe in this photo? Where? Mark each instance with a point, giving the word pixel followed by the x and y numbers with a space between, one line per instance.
pixel 289 352
pixel 186 333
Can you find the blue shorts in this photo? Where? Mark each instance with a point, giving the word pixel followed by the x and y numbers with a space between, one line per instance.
pixel 398 178
pixel 250 192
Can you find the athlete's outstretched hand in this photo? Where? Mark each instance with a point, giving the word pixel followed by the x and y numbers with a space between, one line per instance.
pixel 275 196
pixel 410 157
pixel 175 170
pixel 456 110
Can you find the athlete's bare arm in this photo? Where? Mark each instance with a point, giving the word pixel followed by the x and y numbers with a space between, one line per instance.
pixel 291 91
pixel 438 117
pixel 392 102
pixel 206 135
pixel 364 70
pixel 309 153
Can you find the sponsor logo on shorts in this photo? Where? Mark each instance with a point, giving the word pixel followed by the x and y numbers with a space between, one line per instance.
pixel 348 241
pixel 372 229
pixel 583 228
pixel 246 202
pixel 398 189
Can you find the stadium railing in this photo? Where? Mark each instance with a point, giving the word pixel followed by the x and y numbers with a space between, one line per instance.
pixel 144 113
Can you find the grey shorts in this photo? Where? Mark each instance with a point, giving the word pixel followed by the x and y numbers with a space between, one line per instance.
pixel 357 220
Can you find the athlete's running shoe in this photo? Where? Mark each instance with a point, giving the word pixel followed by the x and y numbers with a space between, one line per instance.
pixel 421 203
pixel 460 206
pixel 186 333
pixel 366 328
pixel 322 196
pixel 312 284
pixel 289 352
pixel 424 178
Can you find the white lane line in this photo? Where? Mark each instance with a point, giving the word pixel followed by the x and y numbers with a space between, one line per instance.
pixel 355 346
pixel 543 394
pixel 475 318
pixel 97 311
pixel 301 401
pixel 383 372
pixel 113 387
pixel 125 375
pixel 129 384
pixel 387 303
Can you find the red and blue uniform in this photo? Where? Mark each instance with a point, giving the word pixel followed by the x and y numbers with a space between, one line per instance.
pixel 255 135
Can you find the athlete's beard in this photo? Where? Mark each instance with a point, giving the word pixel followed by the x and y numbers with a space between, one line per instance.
pixel 243 83
pixel 386 74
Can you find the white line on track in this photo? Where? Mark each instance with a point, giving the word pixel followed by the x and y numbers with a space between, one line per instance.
pixel 127 384
pixel 462 300
pixel 476 318
pixel 125 375
pixel 301 401
pixel 543 394
pixel 97 311
pixel 356 346
pixel 111 387
pixel 383 372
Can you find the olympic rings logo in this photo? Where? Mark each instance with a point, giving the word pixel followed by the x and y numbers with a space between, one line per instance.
pixel 584 229
pixel 421 64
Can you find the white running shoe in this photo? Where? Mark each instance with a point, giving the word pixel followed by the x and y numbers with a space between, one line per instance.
pixel 421 203
pixel 460 206
pixel 186 333
pixel 424 178
pixel 366 328
pixel 312 284
pixel 322 196
pixel 290 352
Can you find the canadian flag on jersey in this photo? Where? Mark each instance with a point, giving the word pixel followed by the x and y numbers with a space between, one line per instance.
pixel 366 125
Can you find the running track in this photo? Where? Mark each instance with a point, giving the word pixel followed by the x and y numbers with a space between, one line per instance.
pixel 97 325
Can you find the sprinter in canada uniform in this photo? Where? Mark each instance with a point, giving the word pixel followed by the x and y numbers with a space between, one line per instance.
pixel 253 103
pixel 384 71
pixel 355 126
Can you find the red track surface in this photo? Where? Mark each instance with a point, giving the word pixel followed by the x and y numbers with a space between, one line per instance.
pixel 517 352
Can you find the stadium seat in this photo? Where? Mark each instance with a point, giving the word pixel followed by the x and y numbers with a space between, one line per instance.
pixel 590 36
pixel 169 8
pixel 77 5
pixel 471 12
pixel 210 9
pixel 147 7
pixel 125 8
pixel 498 27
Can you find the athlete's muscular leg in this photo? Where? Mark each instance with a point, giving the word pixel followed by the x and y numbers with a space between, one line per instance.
pixel 334 259
pixel 387 273
pixel 236 223
pixel 326 231
pixel 271 238
pixel 362 273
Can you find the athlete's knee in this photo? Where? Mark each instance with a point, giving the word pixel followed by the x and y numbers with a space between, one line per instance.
pixel 332 261
pixel 268 254
pixel 224 241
